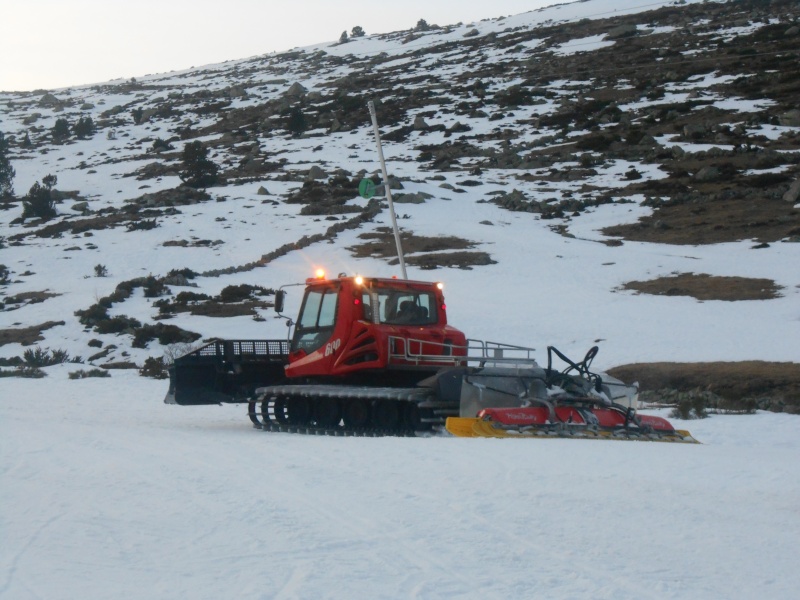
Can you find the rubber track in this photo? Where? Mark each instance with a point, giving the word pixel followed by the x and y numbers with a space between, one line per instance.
pixel 432 418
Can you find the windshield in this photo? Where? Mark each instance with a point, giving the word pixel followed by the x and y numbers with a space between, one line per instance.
pixel 317 319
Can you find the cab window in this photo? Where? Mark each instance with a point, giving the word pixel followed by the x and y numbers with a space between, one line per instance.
pixel 366 306
pixel 407 307
pixel 317 319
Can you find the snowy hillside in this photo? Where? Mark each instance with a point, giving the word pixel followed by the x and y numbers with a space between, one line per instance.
pixel 517 164
pixel 621 174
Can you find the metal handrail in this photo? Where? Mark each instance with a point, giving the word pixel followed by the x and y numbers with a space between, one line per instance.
pixel 476 351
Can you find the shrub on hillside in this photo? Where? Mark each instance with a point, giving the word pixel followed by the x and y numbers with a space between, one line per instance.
pixel 6 170
pixel 165 334
pixel 160 145
pixel 82 374
pixel 84 128
pixel 36 357
pixel 92 315
pixel 198 171
pixel 296 121
pixel 154 288
pixel 691 405
pixel 154 368
pixel 118 324
pixel 239 293
pixel 143 225
pixel 25 372
pixel 60 131
pixel 39 202
pixel 186 297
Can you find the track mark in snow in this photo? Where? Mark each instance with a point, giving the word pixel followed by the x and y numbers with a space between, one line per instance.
pixel 292 589
pixel 19 554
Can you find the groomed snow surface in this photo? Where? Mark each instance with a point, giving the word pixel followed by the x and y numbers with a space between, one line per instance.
pixel 108 493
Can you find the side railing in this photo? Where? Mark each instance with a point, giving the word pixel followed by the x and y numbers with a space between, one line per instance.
pixel 226 371
pixel 404 350
pixel 237 350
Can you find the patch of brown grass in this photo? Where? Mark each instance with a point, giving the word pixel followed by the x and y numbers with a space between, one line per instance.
pixel 766 220
pixel 26 335
pixel 459 260
pixel 421 251
pixel 213 308
pixel 708 287
pixel 24 298
pixel 778 381
pixel 381 243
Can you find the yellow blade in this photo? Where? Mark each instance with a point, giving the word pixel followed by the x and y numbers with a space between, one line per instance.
pixel 481 428
pixel 484 429
pixel 460 426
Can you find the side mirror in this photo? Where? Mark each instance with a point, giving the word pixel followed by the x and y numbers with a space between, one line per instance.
pixel 280 296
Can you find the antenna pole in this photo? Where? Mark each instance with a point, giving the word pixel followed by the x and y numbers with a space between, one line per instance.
pixel 387 189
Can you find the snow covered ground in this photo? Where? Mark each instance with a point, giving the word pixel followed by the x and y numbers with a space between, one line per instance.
pixel 107 493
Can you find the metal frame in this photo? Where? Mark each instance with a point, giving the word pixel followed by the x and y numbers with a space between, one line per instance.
pixel 244 348
pixel 477 351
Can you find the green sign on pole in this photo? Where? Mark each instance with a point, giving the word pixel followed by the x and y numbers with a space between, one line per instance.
pixel 366 189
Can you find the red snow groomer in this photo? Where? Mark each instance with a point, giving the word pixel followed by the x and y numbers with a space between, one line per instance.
pixel 376 356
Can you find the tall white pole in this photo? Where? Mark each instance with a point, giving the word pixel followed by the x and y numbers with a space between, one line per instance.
pixel 387 189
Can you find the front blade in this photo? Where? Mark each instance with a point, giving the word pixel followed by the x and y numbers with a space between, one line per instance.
pixel 460 426
pixel 474 427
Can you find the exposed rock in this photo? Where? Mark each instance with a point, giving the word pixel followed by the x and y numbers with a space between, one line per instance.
pixel 417 198
pixel 335 125
pixel 420 124
pixel 790 118
pixel 394 184
pixel 707 174
pixel 459 127
pixel 262 191
pixel 694 130
pixel 316 172
pixel 80 206
pixel 147 115
pixel 648 141
pixel 295 90
pixel 793 193
pixel 49 101
pixel 237 91
pixel 622 31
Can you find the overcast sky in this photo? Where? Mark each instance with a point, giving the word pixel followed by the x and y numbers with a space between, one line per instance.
pixel 59 43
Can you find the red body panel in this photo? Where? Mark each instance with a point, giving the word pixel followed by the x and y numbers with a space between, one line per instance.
pixel 657 423
pixel 540 415
pixel 358 340
pixel 533 415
